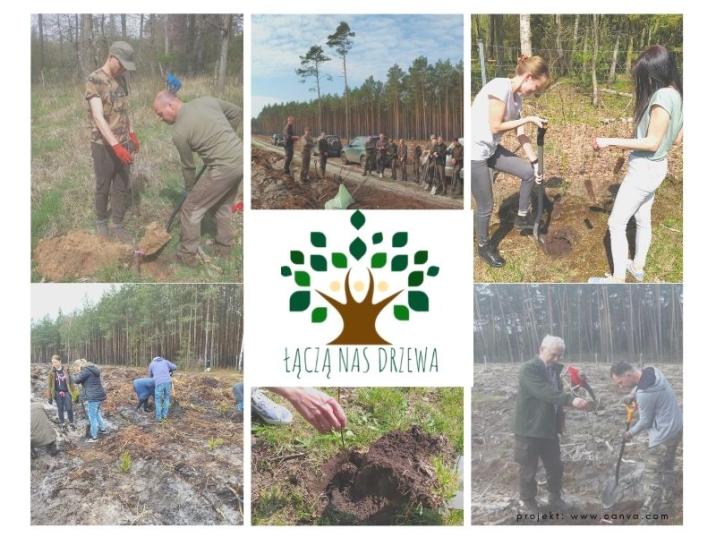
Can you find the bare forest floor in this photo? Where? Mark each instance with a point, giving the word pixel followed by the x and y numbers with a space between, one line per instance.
pixel 581 187
pixel 65 247
pixel 271 189
pixel 186 470
pixel 590 449
pixel 401 462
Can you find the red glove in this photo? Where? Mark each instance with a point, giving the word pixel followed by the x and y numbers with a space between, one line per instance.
pixel 122 154
pixel 135 141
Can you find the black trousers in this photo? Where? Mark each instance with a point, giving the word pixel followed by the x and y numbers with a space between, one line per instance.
pixel 528 452
pixel 288 150
pixel 64 404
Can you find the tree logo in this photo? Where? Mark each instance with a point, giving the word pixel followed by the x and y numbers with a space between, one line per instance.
pixel 345 294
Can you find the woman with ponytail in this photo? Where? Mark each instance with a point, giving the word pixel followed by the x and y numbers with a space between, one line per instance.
pixel 659 125
pixel 497 109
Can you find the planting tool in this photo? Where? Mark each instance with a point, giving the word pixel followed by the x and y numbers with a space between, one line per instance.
pixel 609 496
pixel 540 188
pixel 343 437
pixel 157 236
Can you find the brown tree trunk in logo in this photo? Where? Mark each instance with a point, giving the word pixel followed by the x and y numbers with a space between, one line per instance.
pixel 359 318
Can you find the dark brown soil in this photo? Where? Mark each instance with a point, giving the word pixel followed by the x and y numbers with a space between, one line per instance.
pixel 79 254
pixel 373 487
pixel 559 242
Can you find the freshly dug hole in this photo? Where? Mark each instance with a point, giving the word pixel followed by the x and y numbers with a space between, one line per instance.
pixel 155 236
pixel 559 242
pixel 395 473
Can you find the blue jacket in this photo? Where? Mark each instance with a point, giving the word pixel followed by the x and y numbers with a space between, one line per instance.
pixel 160 369
pixel 89 378
pixel 144 388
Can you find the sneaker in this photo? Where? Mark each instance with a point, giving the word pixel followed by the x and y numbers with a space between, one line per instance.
pixel 637 274
pixel 118 232
pixel 269 412
pixel 102 228
pixel 607 278
pixel 489 253
pixel 90 440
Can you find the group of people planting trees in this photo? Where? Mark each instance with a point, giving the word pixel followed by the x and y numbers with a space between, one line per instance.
pixel 658 125
pixel 539 418
pixel 82 383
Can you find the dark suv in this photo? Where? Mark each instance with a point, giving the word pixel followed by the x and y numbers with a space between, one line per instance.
pixel 277 139
pixel 334 146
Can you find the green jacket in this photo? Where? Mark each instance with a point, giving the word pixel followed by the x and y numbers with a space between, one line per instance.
pixel 74 390
pixel 539 412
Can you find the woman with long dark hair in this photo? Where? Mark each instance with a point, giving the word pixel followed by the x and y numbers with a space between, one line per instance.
pixel 659 125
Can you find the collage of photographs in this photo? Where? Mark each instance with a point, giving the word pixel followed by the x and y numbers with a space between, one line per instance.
pixel 559 137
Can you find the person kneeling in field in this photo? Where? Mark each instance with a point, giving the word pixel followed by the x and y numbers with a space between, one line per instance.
pixel 206 126
pixel 42 433
pixel 319 409
pixel 661 416
pixel 144 388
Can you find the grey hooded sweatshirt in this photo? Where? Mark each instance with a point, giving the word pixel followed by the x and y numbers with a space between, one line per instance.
pixel 659 411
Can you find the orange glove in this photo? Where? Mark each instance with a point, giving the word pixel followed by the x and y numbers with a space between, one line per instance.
pixel 122 154
pixel 135 141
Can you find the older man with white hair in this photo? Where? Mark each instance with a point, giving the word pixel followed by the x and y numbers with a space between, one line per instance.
pixel 538 422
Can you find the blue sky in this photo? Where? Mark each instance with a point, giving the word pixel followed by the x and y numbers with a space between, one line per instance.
pixel 381 41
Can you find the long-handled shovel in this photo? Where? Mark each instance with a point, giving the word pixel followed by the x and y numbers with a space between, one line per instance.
pixel 610 496
pixel 540 188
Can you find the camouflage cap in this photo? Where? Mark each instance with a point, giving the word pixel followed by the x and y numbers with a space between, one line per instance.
pixel 124 52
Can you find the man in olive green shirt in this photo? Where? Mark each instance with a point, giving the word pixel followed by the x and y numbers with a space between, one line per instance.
pixel 206 126
pixel 538 422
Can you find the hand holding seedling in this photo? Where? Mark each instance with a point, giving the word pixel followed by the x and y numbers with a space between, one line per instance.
pixel 317 408
pixel 580 404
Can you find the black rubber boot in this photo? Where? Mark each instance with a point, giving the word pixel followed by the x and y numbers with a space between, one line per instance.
pixel 523 222
pixel 487 251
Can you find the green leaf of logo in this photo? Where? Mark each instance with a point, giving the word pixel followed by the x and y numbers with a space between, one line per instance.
pixel 398 263
pixel 297 257
pixel 421 257
pixel 433 271
pixel 319 263
pixel 299 301
pixel 318 315
pixel 357 219
pixel 378 260
pixel 377 238
pixel 303 279
pixel 400 239
pixel 418 301
pixel 357 248
pixel 318 239
pixel 415 279
pixel 401 312
pixel 285 271
pixel 339 260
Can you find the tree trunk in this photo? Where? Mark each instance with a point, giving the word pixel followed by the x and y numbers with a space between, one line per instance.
pixel 595 52
pixel 123 19
pixel 575 40
pixel 525 35
pixel 560 52
pixel 615 58
pixel 630 52
pixel 41 35
pixel 224 55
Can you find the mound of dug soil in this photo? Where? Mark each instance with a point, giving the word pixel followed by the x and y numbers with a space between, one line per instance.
pixel 155 236
pixel 373 487
pixel 79 254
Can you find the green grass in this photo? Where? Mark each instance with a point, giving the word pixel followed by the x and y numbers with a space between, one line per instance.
pixel 63 178
pixel 371 412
